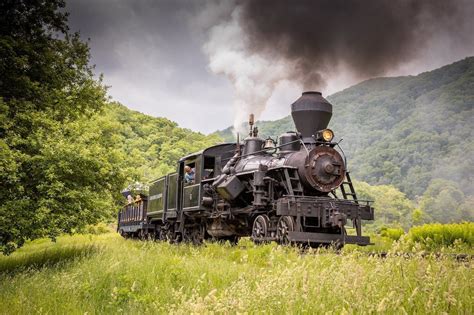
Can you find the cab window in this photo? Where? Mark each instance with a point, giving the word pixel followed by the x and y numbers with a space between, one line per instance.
pixel 209 167
pixel 189 175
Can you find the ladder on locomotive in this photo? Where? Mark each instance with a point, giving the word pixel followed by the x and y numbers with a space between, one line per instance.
pixel 293 182
pixel 347 184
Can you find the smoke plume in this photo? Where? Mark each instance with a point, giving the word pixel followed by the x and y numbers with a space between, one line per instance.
pixel 253 76
pixel 265 42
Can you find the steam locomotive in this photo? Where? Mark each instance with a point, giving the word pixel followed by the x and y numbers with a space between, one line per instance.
pixel 297 190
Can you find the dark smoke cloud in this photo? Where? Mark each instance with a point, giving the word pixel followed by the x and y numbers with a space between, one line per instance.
pixel 367 37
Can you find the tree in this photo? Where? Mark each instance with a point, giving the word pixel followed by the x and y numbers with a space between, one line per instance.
pixel 466 209
pixel 444 202
pixel 417 216
pixel 392 207
pixel 55 174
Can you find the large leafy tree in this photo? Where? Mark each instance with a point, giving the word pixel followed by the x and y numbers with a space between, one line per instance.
pixel 56 173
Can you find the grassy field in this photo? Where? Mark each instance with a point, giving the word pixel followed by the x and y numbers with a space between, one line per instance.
pixel 98 274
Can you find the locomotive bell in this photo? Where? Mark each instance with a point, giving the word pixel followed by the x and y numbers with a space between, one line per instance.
pixel 311 113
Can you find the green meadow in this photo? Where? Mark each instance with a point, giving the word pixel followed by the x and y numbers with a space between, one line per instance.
pixel 97 274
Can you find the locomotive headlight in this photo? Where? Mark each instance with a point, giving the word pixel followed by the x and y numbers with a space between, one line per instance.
pixel 328 135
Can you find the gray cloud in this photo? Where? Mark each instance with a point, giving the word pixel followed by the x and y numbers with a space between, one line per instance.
pixel 151 57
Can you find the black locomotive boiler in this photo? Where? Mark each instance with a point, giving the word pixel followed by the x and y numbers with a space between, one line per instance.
pixel 295 191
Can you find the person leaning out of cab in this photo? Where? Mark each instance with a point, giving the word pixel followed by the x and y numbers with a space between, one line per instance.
pixel 188 175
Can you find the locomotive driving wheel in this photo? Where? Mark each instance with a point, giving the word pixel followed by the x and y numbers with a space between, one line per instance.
pixel 168 234
pixel 194 235
pixel 260 228
pixel 285 224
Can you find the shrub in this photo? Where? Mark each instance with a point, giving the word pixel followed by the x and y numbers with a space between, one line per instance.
pixel 100 228
pixel 392 233
pixel 438 235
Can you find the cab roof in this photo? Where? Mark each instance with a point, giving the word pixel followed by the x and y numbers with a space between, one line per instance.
pixel 212 149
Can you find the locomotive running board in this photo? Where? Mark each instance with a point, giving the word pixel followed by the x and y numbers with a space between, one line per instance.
pixel 323 238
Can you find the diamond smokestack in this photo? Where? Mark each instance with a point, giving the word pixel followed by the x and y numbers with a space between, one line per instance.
pixel 311 113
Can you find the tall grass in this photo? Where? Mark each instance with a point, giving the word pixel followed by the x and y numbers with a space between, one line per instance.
pixel 126 276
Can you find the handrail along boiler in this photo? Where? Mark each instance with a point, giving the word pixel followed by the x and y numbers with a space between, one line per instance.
pixel 295 191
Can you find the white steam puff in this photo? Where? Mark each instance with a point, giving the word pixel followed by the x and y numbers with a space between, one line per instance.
pixel 254 78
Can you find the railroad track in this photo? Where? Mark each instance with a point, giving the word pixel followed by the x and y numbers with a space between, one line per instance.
pixel 458 257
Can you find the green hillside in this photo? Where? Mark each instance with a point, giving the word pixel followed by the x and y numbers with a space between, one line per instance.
pixel 404 131
pixel 150 146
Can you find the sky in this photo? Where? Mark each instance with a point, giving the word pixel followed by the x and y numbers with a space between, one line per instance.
pixel 187 60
